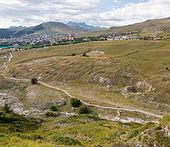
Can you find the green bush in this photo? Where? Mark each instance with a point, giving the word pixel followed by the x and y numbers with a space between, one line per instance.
pixel 75 103
pixel 50 114
pixel 53 108
pixel 84 110
pixel 165 120
pixel 17 123
pixel 30 137
pixel 133 133
pixel 7 109
pixel 34 81
pixel 66 141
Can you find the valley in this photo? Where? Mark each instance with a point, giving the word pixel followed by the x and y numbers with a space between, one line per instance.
pixel 91 73
pixel 108 77
pixel 102 78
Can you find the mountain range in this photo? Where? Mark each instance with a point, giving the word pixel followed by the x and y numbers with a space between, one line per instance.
pixel 84 27
pixel 49 27
pixel 156 27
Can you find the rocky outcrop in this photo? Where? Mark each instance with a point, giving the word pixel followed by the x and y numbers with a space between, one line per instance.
pixel 13 103
pixel 138 89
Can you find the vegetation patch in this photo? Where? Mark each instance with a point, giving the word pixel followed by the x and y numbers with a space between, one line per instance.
pixel 51 114
pixel 53 108
pixel 34 81
pixel 66 141
pixel 75 103
pixel 133 133
pixel 85 110
pixel 16 123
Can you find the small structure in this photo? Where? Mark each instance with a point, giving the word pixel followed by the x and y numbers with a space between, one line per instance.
pixel 70 37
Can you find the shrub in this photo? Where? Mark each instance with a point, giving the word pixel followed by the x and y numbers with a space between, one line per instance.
pixel 84 110
pixel 85 55
pixel 17 123
pixel 167 69
pixel 66 141
pixel 34 81
pixel 29 137
pixel 75 103
pixel 133 133
pixel 53 108
pixel 50 114
pixel 7 109
pixel 165 121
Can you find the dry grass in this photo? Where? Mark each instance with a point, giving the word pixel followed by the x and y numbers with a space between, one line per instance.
pixel 122 62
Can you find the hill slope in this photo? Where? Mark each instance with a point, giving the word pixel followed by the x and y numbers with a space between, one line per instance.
pixel 6 33
pixel 134 74
pixel 157 27
pixel 121 73
pixel 47 27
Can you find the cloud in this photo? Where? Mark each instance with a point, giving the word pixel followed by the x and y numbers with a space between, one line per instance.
pixel 137 12
pixel 42 10
pixel 31 12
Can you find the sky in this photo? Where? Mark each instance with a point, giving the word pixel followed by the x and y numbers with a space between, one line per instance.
pixel 95 12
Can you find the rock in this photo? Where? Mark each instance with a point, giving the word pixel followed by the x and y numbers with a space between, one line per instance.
pixel 138 89
pixel 12 101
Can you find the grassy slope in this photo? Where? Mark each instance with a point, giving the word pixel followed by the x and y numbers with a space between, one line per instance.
pixel 2 60
pixel 123 61
pixel 78 130
pixel 157 27
pixel 82 130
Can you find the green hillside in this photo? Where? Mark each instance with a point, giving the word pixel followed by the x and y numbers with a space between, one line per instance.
pixel 81 130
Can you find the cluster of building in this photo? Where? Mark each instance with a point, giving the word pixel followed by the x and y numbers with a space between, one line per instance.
pixel 45 39
pixel 37 39
pixel 122 36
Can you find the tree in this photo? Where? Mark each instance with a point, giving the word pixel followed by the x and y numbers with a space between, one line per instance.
pixel 75 103
pixel 34 81
pixel 53 108
pixel 84 110
pixel 50 114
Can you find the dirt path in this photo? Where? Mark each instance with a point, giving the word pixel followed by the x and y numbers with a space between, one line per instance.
pixel 71 96
pixel 101 107
pixel 88 104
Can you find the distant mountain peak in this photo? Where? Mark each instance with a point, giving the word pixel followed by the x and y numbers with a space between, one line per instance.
pixel 84 26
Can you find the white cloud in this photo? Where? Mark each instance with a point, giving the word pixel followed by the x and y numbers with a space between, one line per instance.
pixel 31 12
pixel 137 12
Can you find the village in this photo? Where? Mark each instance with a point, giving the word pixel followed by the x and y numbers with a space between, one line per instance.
pixel 53 39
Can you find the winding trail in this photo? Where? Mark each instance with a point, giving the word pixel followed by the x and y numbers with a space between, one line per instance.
pixel 86 103
pixel 101 107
